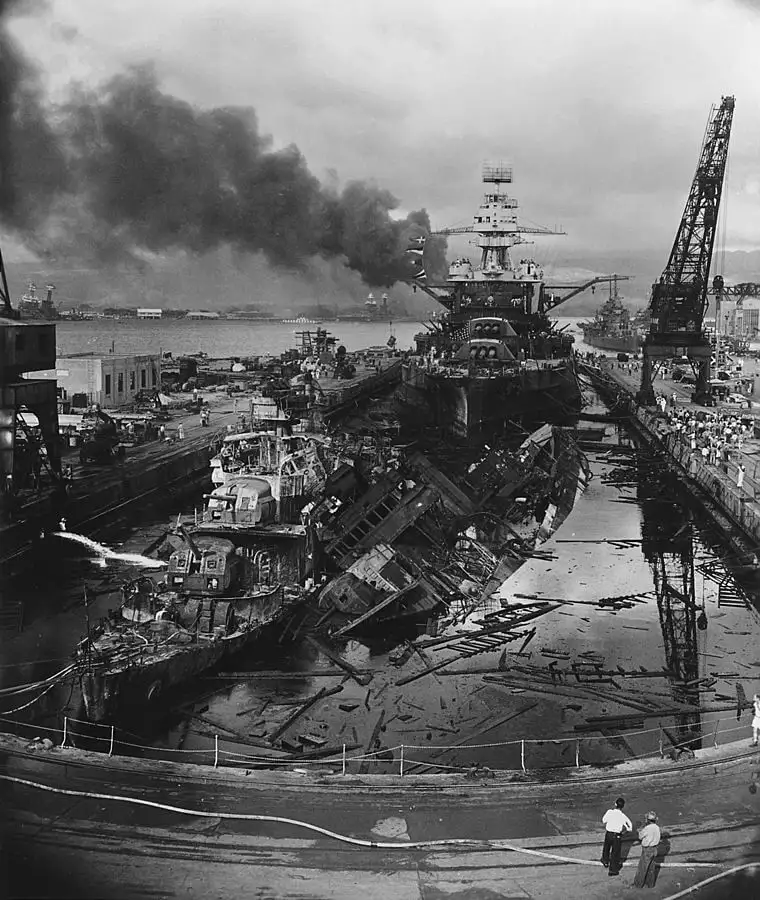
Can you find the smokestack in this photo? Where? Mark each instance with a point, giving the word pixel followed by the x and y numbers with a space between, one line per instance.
pixel 50 288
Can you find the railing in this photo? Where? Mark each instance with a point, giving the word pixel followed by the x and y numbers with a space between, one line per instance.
pixel 522 754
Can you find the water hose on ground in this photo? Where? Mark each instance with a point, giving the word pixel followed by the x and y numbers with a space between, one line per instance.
pixel 346 839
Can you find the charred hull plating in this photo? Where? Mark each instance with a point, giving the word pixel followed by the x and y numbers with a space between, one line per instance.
pixel 136 688
pixel 464 404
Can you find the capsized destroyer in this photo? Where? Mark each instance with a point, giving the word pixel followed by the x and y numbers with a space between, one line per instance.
pixel 495 355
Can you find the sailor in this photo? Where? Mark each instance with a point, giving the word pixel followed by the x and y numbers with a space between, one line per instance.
pixel 62 524
pixel 181 431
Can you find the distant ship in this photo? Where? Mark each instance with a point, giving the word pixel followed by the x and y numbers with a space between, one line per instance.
pixel 301 320
pixel 614 327
pixel 32 306
pixel 494 356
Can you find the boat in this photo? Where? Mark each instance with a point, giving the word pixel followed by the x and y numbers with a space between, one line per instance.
pixel 244 567
pixel 32 306
pixel 301 320
pixel 493 355
pixel 614 327
pixel 215 599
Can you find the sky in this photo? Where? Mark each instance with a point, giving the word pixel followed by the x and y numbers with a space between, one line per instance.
pixel 600 106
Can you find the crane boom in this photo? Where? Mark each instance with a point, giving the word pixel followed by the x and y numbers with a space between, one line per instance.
pixel 679 299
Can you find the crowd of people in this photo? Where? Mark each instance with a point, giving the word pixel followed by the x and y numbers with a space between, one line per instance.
pixel 715 436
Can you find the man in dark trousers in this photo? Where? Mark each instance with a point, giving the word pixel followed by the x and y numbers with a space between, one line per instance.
pixel 616 822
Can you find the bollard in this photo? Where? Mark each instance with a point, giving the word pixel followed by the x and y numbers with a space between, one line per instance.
pixel 577 754
pixel 216 750
pixel 522 755
pixel 65 730
pixel 110 749
pixel 344 759
pixel 401 762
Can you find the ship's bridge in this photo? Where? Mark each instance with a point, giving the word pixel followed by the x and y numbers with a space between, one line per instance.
pixel 461 270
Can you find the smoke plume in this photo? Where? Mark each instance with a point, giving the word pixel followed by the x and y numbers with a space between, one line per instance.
pixel 127 167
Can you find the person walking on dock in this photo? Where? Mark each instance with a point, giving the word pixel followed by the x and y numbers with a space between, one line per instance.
pixel 755 719
pixel 615 822
pixel 180 432
pixel 740 476
pixel 649 835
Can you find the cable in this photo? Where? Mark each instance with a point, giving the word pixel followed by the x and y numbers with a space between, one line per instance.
pixel 359 842
pixel 33 700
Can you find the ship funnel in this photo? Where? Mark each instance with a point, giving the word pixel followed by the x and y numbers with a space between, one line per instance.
pixel 50 288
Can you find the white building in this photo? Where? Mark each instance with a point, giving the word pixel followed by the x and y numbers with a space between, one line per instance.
pixel 201 314
pixel 740 320
pixel 110 380
pixel 148 313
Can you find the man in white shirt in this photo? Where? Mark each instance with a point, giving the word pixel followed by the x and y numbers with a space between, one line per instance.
pixel 616 822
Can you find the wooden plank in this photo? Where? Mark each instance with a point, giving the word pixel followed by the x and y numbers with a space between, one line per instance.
pixel 359 678
pixel 320 695
pixel 409 678
pixel 378 607
pixel 364 765
pixel 476 734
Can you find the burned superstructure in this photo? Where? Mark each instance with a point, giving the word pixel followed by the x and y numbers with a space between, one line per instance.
pixel 494 355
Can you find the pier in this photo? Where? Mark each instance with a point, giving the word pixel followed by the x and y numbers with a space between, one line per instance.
pixel 713 478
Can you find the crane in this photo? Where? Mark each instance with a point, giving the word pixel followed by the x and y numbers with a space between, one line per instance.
pixel 679 299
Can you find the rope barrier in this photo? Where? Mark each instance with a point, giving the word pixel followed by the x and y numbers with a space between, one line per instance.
pixel 389 754
pixel 347 839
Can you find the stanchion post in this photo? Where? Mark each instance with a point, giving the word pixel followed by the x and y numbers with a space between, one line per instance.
pixel 401 762
pixel 110 748
pixel 662 750
pixel 522 755
pixel 344 759
pixel 216 750
pixel 65 730
pixel 715 736
pixel 577 754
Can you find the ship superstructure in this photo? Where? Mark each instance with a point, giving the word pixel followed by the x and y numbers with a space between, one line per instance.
pixel 494 355
pixel 613 326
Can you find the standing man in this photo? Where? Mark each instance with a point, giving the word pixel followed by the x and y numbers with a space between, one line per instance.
pixel 615 822
pixel 649 835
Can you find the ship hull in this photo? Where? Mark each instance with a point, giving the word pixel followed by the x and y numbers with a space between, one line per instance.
pixel 131 691
pixel 464 406
pixel 627 344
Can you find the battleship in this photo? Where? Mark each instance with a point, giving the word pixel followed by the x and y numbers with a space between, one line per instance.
pixel 613 326
pixel 493 355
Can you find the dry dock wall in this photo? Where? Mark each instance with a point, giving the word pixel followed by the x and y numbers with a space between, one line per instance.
pixel 735 502
pixel 716 485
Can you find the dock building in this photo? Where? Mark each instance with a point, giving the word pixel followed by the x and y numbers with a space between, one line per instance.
pixel 111 380
pixel 144 313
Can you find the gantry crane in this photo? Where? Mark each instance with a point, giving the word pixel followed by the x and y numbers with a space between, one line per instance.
pixel 679 299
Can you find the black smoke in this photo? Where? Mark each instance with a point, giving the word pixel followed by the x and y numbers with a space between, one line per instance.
pixel 32 165
pixel 128 167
